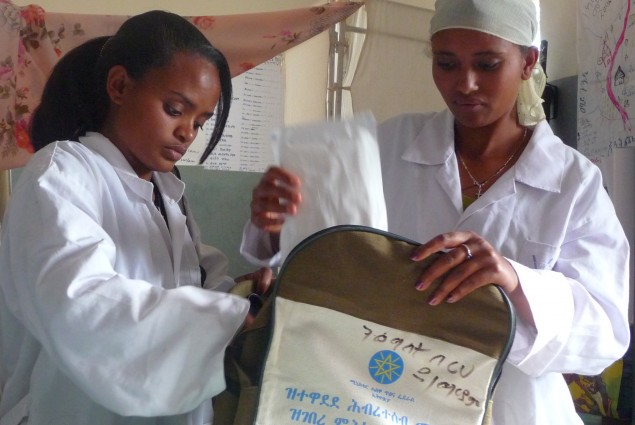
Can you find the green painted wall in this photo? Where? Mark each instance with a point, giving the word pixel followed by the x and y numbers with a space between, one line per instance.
pixel 220 203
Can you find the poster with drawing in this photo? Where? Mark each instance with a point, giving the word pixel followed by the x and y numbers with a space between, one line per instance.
pixel 606 86
pixel 606 104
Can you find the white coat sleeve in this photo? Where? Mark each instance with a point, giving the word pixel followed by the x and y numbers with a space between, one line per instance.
pixel 256 247
pixel 215 264
pixel 580 307
pixel 135 348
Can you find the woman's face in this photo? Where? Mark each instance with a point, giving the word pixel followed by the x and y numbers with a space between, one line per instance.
pixel 155 119
pixel 478 75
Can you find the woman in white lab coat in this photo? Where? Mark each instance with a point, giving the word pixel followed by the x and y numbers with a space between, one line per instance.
pixel 111 309
pixel 487 181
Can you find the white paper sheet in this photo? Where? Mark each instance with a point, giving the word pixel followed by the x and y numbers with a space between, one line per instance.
pixel 338 164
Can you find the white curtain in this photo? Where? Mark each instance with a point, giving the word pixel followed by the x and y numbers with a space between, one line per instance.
pixel 394 73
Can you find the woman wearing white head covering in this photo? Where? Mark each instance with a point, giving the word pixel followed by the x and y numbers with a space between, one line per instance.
pixel 514 21
pixel 488 181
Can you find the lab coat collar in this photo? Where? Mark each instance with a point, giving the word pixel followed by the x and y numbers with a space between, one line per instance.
pixel 434 144
pixel 171 187
pixel 541 164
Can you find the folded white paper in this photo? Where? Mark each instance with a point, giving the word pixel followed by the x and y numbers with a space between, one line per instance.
pixel 339 166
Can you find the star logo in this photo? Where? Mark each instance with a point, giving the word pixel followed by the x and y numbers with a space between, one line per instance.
pixel 385 367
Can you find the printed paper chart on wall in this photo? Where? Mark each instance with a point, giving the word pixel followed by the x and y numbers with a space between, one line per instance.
pixel 257 108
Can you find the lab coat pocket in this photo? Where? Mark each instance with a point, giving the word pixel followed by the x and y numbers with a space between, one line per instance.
pixel 538 255
pixel 19 414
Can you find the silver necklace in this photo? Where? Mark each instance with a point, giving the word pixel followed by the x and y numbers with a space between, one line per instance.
pixel 481 185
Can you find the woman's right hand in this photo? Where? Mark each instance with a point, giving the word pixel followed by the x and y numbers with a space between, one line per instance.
pixel 277 194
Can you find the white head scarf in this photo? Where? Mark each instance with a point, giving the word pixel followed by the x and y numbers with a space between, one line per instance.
pixel 511 20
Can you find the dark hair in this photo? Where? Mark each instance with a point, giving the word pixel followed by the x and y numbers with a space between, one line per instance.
pixel 74 99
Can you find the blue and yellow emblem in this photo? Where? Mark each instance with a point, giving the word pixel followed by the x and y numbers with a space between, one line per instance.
pixel 385 367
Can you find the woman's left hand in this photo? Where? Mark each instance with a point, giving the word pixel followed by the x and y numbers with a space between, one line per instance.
pixel 469 261
pixel 261 281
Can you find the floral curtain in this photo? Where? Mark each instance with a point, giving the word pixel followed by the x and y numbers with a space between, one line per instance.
pixel 32 40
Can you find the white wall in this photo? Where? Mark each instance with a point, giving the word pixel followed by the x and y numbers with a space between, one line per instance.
pixel 558 22
pixel 306 64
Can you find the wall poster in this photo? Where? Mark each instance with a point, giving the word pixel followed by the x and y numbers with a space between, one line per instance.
pixel 257 109
pixel 606 87
pixel 606 135
pixel 606 103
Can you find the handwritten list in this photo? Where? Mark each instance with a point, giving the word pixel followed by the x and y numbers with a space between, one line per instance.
pixel 257 109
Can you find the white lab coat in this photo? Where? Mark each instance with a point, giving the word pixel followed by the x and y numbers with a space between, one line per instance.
pixel 103 317
pixel 551 217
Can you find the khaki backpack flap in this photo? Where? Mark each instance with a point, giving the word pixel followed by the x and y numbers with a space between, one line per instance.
pixel 346 339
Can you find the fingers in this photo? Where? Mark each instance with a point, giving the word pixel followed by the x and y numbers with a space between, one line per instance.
pixel 244 277
pixel 446 262
pixel 444 242
pixel 459 282
pixel 263 279
pixel 467 262
pixel 456 248
pixel 277 194
pixel 249 320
